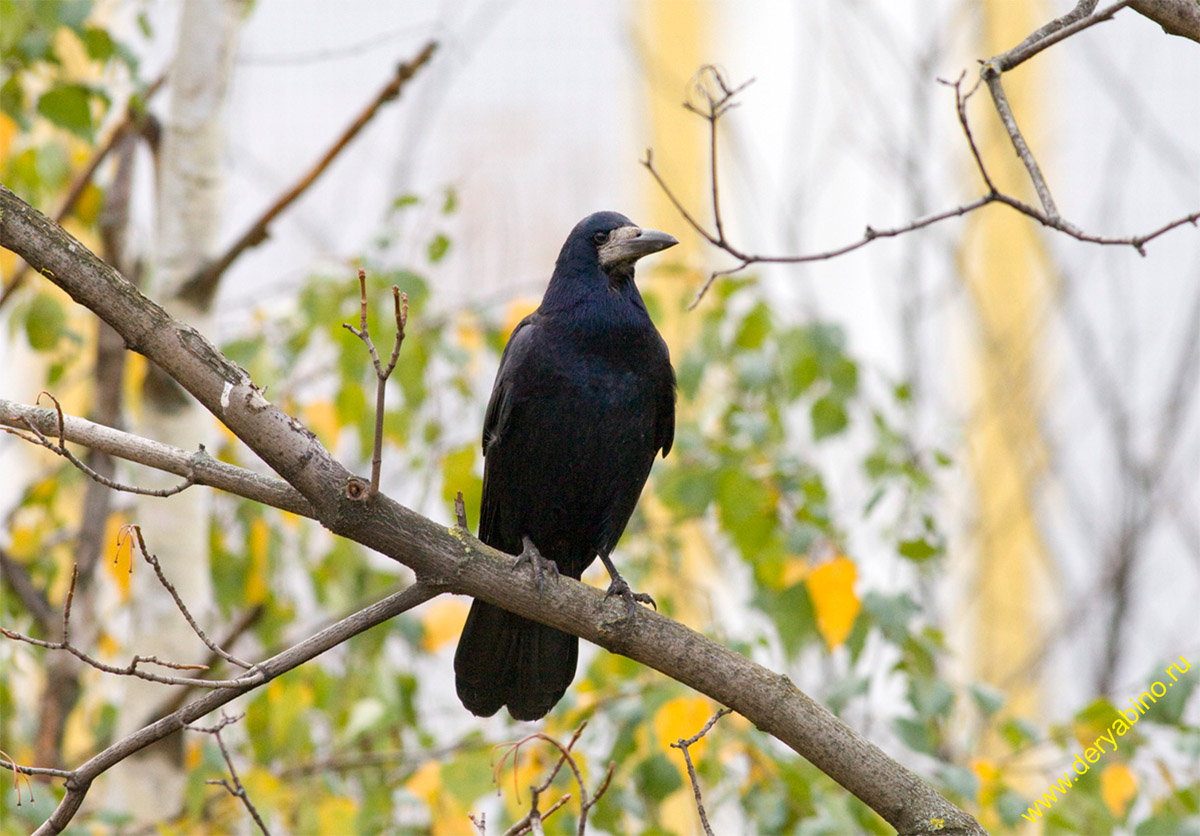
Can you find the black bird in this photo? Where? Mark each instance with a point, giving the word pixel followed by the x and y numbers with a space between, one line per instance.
pixel 583 401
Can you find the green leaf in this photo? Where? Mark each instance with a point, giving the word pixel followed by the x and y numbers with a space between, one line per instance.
pixel 69 107
pixel 914 733
pixel 828 416
pixel 745 509
pixel 917 550
pixel 989 699
pixel 438 248
pixel 404 201
pixel 45 323
pixel 12 99
pixel 1018 731
pixel 844 376
pixel 450 203
pixel 754 327
pixel 656 777
pixel 98 43
pixel 458 474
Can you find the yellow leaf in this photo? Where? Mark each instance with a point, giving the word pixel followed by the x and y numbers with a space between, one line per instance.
pixel 192 754
pixel 426 782
pixel 518 309
pixel 1118 786
pixel 106 646
pixel 321 417
pixel 795 569
pixel 468 333
pixel 443 621
pixel 24 543
pixel 831 587
pixel 679 719
pixel 335 814
pixel 260 551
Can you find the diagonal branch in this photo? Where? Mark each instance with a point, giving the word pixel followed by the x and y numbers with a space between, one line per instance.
pixel 204 283
pixel 79 780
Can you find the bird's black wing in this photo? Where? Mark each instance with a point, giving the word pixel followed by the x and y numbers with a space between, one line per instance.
pixel 496 426
pixel 664 415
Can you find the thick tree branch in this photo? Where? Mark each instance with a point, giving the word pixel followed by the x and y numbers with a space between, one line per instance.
pixel 1176 17
pixel 451 560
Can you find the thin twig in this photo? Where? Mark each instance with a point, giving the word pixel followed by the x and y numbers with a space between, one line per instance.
pixel 460 512
pixel 162 579
pixel 132 669
pixel 206 470
pixel 1057 30
pixel 532 821
pixel 718 106
pixel 79 780
pixel 202 284
pixel 235 788
pixel 400 301
pixel 61 449
pixel 682 745
pixel 992 77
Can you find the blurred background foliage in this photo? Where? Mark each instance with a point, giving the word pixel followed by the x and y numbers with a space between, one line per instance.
pixel 792 467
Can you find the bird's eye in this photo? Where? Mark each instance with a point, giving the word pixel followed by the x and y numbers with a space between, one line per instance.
pixel 600 237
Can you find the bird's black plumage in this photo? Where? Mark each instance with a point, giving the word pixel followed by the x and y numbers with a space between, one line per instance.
pixel 583 402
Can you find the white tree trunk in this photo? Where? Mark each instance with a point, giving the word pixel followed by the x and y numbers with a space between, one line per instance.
pixel 176 528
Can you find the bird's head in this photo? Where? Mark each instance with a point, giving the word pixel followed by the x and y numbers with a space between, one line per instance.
pixel 614 243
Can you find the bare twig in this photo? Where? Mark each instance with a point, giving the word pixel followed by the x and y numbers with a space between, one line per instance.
pixel 233 784
pixel 79 780
pixel 136 531
pixel 460 512
pixel 532 821
pixel 206 470
pixel 682 745
pixel 1077 20
pixel 718 105
pixel 400 300
pixel 61 449
pixel 202 285
pixel 134 667
pixel 1073 22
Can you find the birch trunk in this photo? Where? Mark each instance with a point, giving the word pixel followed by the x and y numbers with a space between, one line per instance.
pixel 176 529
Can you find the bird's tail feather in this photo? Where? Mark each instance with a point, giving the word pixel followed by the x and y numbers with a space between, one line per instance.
pixel 504 659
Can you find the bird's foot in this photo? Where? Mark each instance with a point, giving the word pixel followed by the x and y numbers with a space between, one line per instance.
pixel 620 588
pixel 541 565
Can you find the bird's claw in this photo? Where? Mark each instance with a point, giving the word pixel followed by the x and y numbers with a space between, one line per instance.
pixel 620 588
pixel 541 565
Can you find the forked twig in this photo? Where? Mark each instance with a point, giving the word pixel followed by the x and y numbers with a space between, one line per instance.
pixel 532 821
pixel 233 784
pixel 61 449
pixel 400 301
pixel 682 745
pixel 719 101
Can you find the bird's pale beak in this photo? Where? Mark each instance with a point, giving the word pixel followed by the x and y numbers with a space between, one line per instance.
pixel 629 243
